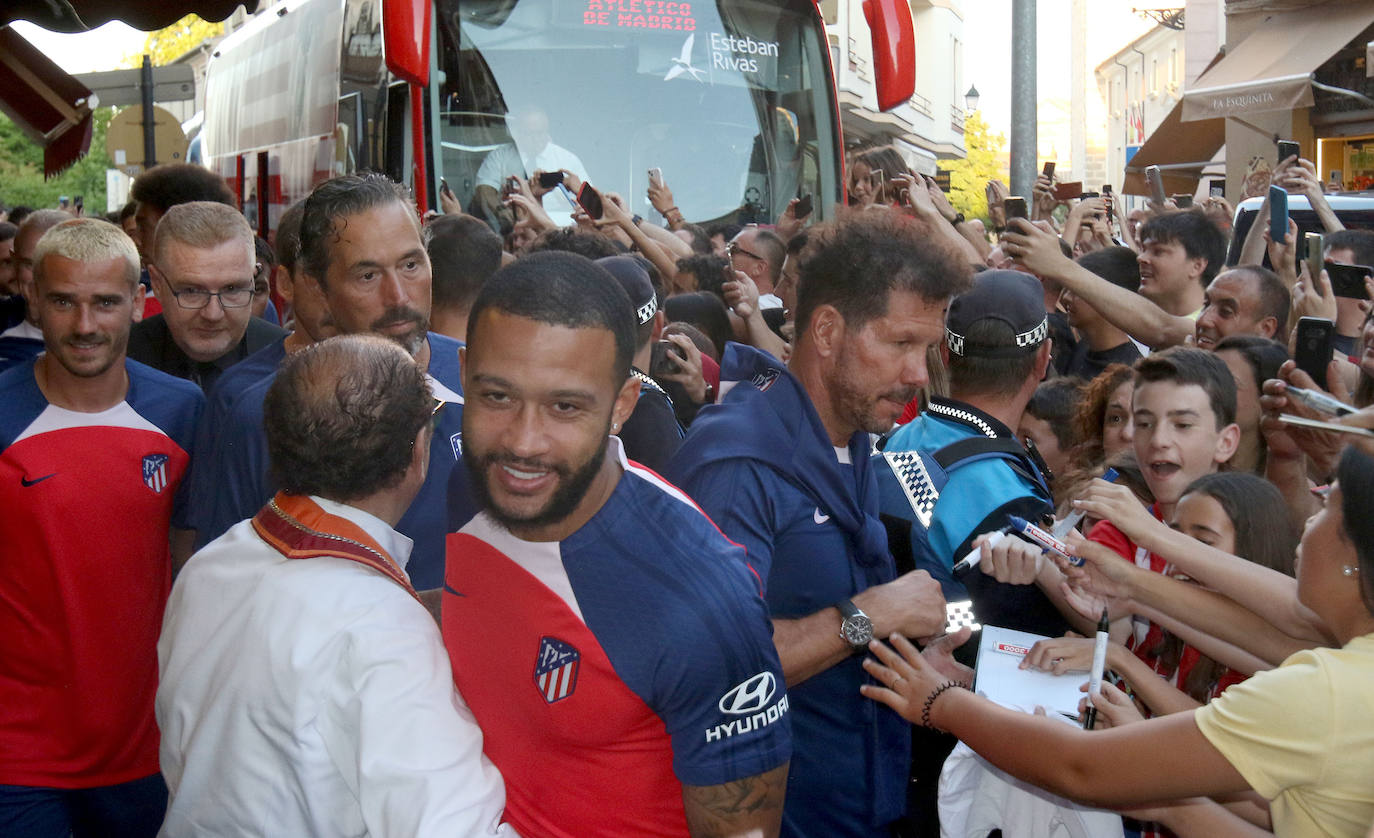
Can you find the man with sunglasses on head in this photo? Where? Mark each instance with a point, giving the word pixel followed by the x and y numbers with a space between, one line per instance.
pixel 203 261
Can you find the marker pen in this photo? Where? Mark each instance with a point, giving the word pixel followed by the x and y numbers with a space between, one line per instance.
pixel 1099 664
pixel 1317 400
pixel 1044 539
pixel 1071 520
pixel 975 555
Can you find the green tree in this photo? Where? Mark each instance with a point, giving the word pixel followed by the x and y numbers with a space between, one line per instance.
pixel 21 169
pixel 171 42
pixel 968 178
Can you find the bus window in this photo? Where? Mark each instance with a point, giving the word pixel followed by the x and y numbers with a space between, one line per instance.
pixel 730 99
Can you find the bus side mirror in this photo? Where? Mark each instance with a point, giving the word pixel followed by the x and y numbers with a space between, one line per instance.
pixel 894 50
pixel 405 36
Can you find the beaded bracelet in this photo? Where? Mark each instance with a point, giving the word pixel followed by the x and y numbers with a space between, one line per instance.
pixel 930 702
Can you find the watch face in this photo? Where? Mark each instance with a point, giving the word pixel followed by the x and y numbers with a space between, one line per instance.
pixel 857 630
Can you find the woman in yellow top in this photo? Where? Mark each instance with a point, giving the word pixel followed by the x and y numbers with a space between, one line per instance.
pixel 1301 735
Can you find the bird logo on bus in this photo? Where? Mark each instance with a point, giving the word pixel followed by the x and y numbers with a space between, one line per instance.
pixel 683 63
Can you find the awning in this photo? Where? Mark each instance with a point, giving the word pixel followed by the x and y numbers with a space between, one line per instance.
pixel 1180 149
pixel 80 15
pixel 1271 69
pixel 51 107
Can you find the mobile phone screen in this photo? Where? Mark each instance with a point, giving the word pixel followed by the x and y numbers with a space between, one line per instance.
pixel 549 180
pixel 1348 280
pixel 590 201
pixel 1278 213
pixel 803 207
pixel 1015 207
pixel 1313 349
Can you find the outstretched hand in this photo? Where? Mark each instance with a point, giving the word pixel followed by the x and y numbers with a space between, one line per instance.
pixel 905 677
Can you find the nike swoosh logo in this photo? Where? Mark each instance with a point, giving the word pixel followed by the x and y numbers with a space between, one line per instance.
pixel 27 482
pixel 818 517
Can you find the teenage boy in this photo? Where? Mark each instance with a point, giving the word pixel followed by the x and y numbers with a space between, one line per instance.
pixel 1182 253
pixel 1184 413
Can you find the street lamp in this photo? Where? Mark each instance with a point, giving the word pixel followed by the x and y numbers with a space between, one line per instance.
pixel 971 99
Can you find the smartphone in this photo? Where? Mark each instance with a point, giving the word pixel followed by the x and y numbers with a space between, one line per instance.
pixel 1049 169
pixel 511 186
pixel 1156 181
pixel 1107 193
pixel 1348 280
pixel 656 177
pixel 876 178
pixel 1066 191
pixel 1278 213
pixel 590 200
pixel 443 187
pixel 1313 346
pixel 803 207
pixel 1287 149
pixel 1315 247
pixel 1182 201
pixel 1216 187
pixel 1015 207
pixel 548 180
pixel 1319 425
pixel 664 359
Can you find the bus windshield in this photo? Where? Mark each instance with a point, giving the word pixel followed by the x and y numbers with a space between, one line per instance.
pixel 731 100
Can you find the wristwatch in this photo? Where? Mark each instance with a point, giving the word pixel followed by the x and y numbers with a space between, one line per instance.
pixel 855 627
pixel 957 219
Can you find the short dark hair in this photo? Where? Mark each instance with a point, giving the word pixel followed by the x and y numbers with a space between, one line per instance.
pixel 342 415
pixel 855 261
pixel 288 239
pixel 8 231
pixel 975 374
pixel 1055 402
pixel 18 213
pixel 127 211
pixel 1117 265
pixel 1200 238
pixel 701 242
pixel 1264 356
pixel 797 243
pixel 333 200
pixel 709 270
pixel 707 312
pixel 562 289
pixel 1355 472
pixel 1273 296
pixel 1359 242
pixel 169 184
pixel 572 240
pixel 725 229
pixel 1188 365
pixel 463 254
pixel 1259 514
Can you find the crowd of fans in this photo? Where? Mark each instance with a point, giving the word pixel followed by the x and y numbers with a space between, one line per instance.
pixel 760 639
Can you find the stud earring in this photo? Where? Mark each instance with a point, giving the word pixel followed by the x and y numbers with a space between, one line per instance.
pixel 1349 570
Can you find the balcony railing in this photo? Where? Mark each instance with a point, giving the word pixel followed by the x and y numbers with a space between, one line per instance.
pixel 956 118
pixel 920 104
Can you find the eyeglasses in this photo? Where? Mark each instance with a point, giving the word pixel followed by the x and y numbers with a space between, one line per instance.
pixel 731 249
pixel 195 298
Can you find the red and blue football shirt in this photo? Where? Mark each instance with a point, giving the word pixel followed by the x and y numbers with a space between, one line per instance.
pixel 611 668
pixel 86 500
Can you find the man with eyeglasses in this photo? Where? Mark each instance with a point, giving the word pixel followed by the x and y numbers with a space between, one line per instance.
pixel 362 250
pixel 203 261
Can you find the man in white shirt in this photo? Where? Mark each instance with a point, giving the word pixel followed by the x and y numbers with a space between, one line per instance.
pixel 304 688
pixel 531 150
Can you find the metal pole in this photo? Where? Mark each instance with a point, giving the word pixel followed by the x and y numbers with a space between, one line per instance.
pixel 1023 101
pixel 146 87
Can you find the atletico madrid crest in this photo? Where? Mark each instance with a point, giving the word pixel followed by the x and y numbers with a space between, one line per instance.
pixel 555 671
pixel 155 472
